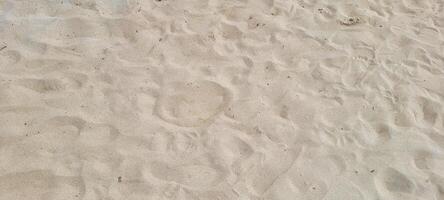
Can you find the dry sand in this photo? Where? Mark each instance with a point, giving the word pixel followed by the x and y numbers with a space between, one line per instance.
pixel 221 99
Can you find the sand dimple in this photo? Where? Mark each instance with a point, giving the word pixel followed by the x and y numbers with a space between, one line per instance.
pixel 191 103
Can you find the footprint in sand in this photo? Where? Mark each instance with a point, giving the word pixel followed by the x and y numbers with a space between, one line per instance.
pixel 61 121
pixel 393 181
pixel 344 190
pixel 191 104
pixel 194 176
pixel 39 185
pixel 42 85
pixel 428 161
pixel 370 134
pixel 270 168
pixel 53 85
pixel 8 59
pixel 431 110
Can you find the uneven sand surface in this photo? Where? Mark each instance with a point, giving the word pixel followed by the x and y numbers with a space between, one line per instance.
pixel 221 99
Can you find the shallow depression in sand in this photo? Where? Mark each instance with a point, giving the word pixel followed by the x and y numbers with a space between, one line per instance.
pixel 191 103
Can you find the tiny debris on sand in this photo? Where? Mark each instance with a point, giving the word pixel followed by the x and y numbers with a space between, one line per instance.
pixel 350 21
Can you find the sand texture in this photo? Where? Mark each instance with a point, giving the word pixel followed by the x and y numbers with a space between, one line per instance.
pixel 221 100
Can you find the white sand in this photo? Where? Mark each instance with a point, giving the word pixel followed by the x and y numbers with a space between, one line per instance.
pixel 221 99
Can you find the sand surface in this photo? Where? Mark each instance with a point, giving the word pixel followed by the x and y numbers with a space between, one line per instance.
pixel 221 99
